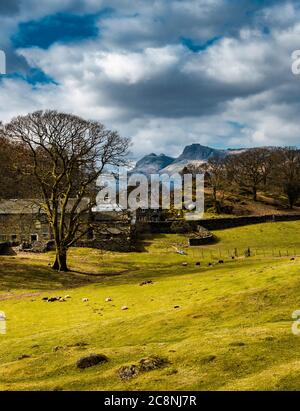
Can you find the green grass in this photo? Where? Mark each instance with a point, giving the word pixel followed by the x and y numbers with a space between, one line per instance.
pixel 239 312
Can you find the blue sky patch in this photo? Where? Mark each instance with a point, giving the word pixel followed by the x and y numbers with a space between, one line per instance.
pixel 37 76
pixel 196 47
pixel 60 27
pixel 34 77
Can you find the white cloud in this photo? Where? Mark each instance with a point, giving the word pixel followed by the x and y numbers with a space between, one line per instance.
pixel 138 78
pixel 134 67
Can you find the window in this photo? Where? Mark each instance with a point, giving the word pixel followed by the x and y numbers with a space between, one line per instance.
pixel 33 237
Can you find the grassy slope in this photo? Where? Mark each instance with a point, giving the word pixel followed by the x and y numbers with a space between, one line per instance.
pixel 239 312
pixel 266 204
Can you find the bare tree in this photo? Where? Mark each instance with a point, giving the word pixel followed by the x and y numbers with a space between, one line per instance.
pixel 14 157
pixel 68 154
pixel 216 177
pixel 250 169
pixel 287 173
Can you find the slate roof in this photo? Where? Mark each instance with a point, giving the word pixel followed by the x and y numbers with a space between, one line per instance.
pixel 21 206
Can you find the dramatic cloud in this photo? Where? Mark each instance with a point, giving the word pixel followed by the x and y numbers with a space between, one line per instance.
pixel 9 7
pixel 166 73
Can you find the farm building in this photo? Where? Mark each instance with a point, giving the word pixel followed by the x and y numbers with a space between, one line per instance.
pixel 25 221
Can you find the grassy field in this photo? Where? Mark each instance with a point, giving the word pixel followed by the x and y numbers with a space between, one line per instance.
pixel 231 330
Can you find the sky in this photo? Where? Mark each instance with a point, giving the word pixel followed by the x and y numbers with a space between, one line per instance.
pixel 165 73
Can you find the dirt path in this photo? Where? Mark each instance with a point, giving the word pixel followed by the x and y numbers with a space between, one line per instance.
pixel 18 296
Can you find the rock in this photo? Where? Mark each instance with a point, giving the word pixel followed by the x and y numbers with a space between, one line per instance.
pixel 91 360
pixel 176 306
pixel 108 299
pixel 293 259
pixel 146 282
pixel 23 356
pixel 151 363
pixel 36 246
pixel 237 344
pixel 172 371
pixel 210 264
pixel 67 296
pixel 85 300
pixel 184 264
pixel 45 299
pixel 58 388
pixel 208 359
pixel 128 371
pixel 198 263
pixel 124 307
pixel 221 261
pixel 81 344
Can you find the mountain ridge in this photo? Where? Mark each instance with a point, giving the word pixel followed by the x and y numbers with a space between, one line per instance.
pixel 193 153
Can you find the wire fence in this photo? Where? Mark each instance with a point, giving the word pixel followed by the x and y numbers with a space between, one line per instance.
pixel 242 252
pixel 228 253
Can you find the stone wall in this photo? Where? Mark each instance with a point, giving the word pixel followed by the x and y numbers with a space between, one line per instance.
pixel 112 236
pixel 107 231
pixel 223 223
pixel 215 223
pixel 196 241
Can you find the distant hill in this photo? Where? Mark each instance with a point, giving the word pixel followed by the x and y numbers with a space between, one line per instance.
pixel 152 163
pixel 194 153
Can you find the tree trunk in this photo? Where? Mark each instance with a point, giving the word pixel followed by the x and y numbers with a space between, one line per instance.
pixel 60 263
pixel 215 201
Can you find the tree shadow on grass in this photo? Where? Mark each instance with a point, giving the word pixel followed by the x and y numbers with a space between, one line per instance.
pixel 17 275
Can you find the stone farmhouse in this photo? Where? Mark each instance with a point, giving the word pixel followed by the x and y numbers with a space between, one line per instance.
pixel 25 222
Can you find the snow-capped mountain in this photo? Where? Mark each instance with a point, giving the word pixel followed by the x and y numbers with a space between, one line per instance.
pixel 194 153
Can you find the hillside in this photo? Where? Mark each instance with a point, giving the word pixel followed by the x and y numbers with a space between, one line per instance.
pixel 231 328
pixel 241 205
